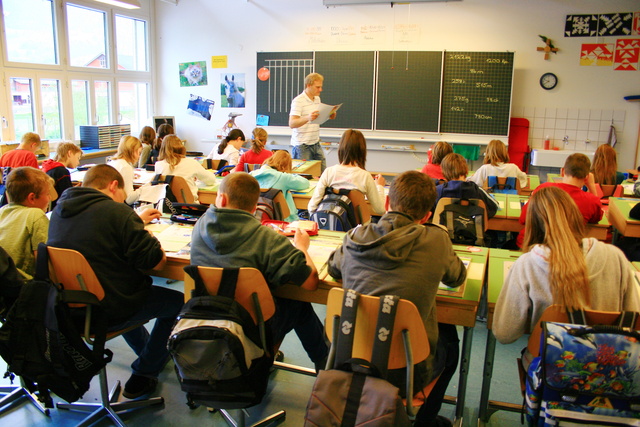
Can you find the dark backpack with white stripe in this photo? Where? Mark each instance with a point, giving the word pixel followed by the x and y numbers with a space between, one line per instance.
pixel 335 211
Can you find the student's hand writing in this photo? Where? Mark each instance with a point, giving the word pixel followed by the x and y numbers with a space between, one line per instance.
pixel 149 215
pixel 301 239
pixel 380 180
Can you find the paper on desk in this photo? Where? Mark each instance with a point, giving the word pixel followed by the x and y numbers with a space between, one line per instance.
pixel 312 186
pixel 459 291
pixel 175 237
pixel 515 205
pixel 324 111
pixel 153 193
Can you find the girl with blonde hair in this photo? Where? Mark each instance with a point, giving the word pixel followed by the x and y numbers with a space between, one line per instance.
pixel 560 266
pixel 605 166
pixel 172 160
pixel 496 163
pixel 128 153
pixel 258 154
pixel 276 173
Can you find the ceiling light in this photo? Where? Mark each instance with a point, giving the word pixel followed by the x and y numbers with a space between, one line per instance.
pixel 127 4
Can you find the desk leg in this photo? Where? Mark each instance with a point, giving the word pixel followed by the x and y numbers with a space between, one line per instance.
pixel 487 373
pixel 464 373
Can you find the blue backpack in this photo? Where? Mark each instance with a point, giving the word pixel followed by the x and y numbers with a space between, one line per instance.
pixel 335 212
pixel 508 187
pixel 585 374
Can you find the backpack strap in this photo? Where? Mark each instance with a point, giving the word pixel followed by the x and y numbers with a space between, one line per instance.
pixel 449 223
pixel 384 332
pixel 492 182
pixel 42 262
pixel 628 319
pixel 344 341
pixel 227 286
pixel 577 317
pixel 156 179
pixel 479 221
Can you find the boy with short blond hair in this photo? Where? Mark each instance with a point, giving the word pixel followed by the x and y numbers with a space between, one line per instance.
pixel 25 154
pixel 23 223
pixel 67 157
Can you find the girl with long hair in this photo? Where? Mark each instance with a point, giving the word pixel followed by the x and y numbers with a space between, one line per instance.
pixel 351 174
pixel 438 152
pixel 147 137
pixel 605 166
pixel 229 147
pixel 276 173
pixel 496 163
pixel 257 154
pixel 126 157
pixel 163 130
pixel 560 266
pixel 173 161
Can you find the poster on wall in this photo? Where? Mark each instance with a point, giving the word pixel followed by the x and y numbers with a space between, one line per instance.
pixel 627 55
pixel 193 73
pixel 596 54
pixel 200 107
pixel 615 24
pixel 581 26
pixel 232 90
pixel 636 24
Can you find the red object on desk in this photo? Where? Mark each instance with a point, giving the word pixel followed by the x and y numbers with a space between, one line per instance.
pixel 284 228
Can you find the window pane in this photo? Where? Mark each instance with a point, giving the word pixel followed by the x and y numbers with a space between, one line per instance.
pixel 103 103
pixel 87 37
pixel 80 99
pixel 30 31
pixel 51 108
pixel 131 42
pixel 22 95
pixel 133 100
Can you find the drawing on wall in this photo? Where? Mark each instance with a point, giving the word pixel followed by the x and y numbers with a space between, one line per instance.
pixel 581 26
pixel 636 24
pixel 615 24
pixel 627 55
pixel 232 90
pixel 193 73
pixel 200 107
pixel 596 54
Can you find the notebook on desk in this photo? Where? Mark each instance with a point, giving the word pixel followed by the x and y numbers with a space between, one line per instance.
pixel 455 292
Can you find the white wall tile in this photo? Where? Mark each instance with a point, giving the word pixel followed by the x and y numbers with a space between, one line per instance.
pixel 550 123
pixel 584 114
pixel 607 115
pixel 540 112
pixel 595 114
pixel 583 124
pixel 561 123
pixel 562 113
pixel 572 124
pixel 550 113
pixel 573 113
pixel 594 124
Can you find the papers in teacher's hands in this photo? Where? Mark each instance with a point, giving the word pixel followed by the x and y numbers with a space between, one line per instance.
pixel 324 112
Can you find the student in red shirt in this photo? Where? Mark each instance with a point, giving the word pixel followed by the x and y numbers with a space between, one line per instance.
pixel 24 155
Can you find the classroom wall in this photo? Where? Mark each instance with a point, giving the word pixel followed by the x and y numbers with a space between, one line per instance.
pixel 196 30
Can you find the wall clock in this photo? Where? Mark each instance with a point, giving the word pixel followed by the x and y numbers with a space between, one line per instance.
pixel 548 81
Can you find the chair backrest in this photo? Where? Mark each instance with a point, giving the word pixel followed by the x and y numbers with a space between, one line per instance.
pixel 213 163
pixel 557 313
pixel 72 269
pixel 604 191
pixel 180 189
pixel 250 281
pixel 501 183
pixel 248 167
pixel 407 318
pixel 280 205
pixel 360 205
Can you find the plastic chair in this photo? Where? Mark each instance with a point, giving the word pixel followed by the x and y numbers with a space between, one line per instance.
pixel 252 293
pixel 73 270
pixel 409 341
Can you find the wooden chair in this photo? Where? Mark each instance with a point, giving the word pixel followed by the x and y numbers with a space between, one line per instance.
pixel 252 293
pixel 444 201
pixel 214 164
pixel 604 191
pixel 408 333
pixel 280 205
pixel 501 184
pixel 179 188
pixel 71 268
pixel 248 167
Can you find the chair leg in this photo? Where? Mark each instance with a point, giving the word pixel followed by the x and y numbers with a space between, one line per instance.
pixel 16 393
pixel 108 406
pixel 273 418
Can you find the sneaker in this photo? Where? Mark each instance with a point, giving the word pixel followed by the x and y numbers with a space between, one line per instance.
pixel 138 386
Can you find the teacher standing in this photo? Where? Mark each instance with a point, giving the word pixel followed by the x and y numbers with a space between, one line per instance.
pixel 305 138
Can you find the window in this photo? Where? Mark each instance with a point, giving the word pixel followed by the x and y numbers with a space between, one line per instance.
pixel 21 105
pixel 131 42
pixel 51 109
pixel 103 103
pixel 80 102
pixel 134 101
pixel 30 31
pixel 87 37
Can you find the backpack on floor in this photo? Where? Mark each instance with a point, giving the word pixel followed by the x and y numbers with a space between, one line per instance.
pixel 464 221
pixel 585 374
pixel 355 392
pixel 267 210
pixel 335 211
pixel 40 342
pixel 220 357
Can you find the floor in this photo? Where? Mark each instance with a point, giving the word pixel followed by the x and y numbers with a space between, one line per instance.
pixel 287 390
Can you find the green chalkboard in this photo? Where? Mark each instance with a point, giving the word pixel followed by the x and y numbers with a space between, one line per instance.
pixel 408 92
pixel 476 95
pixel 287 71
pixel 348 79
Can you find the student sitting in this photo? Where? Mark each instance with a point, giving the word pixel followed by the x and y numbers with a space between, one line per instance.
pixel 163 130
pixel 496 163
pixel 605 166
pixel 229 148
pixel 23 223
pixel 455 169
pixel 437 153
pixel 258 154
pixel 560 266
pixel 147 138
pixel 24 155
pixel 228 235
pixel 174 162
pixel 575 175
pixel 388 258
pixel 276 173
pixel 67 157
pixel 129 150
pixel 94 221
pixel 350 174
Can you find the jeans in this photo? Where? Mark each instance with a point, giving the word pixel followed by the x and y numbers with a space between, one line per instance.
pixel 163 305
pixel 299 316
pixel 310 152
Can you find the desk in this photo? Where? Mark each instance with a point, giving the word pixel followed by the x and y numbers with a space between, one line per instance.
pixel 453 310
pixel 618 214
pixel 311 167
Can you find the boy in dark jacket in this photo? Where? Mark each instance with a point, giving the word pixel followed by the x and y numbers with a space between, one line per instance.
pixel 67 157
